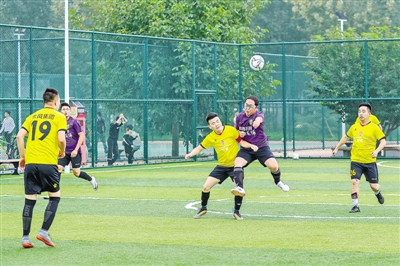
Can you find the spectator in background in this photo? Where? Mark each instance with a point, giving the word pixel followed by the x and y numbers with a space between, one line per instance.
pixel 128 140
pixel 113 139
pixel 101 130
pixel 7 128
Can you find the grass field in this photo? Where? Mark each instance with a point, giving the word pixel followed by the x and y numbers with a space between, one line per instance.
pixel 143 215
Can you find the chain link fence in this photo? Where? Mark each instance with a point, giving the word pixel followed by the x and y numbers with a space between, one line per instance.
pixel 166 87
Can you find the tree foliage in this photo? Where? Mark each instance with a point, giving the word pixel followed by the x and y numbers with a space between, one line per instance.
pixel 339 72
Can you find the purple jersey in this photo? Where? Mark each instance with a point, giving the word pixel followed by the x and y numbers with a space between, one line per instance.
pixel 254 136
pixel 71 136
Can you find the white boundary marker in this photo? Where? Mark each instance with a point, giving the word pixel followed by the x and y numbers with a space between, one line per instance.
pixel 388 166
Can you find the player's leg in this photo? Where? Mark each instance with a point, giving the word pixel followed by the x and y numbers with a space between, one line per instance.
pixel 31 190
pixel 76 169
pixel 242 159
pixel 49 175
pixel 205 195
pixel 267 159
pixel 372 176
pixel 110 143
pixel 236 209
pixel 356 171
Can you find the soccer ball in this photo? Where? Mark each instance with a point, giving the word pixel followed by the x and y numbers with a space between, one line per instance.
pixel 295 156
pixel 256 62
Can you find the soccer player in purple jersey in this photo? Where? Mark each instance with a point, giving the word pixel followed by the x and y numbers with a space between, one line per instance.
pixel 250 124
pixel 74 137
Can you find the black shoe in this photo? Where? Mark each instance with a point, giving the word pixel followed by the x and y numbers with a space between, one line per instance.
pixel 200 213
pixel 237 215
pixel 380 198
pixel 354 209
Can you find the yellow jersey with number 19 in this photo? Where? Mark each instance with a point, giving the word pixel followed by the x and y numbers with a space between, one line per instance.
pixel 42 141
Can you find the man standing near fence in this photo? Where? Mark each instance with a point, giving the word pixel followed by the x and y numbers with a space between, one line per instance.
pixel 101 131
pixel 7 127
pixel 46 142
pixel 113 139
pixel 363 154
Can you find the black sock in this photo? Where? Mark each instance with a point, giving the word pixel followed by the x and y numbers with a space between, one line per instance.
pixel 238 176
pixel 85 176
pixel 238 202
pixel 50 212
pixel 27 216
pixel 277 176
pixel 204 198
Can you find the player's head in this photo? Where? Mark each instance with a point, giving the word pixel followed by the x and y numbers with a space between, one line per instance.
pixel 129 129
pixel 51 98
pixel 66 109
pixel 364 111
pixel 251 105
pixel 368 105
pixel 98 114
pixel 214 123
pixel 7 113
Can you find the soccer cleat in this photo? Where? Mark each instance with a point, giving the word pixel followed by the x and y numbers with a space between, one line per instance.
pixel 380 198
pixel 237 215
pixel 200 213
pixel 354 209
pixel 94 183
pixel 26 242
pixel 283 186
pixel 45 238
pixel 238 191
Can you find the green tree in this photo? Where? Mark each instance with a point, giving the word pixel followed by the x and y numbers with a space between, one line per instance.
pixel 222 21
pixel 339 72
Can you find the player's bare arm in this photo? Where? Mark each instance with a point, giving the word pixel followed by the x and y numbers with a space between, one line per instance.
pixel 79 144
pixel 21 146
pixel 344 139
pixel 246 144
pixel 382 144
pixel 194 152
pixel 61 143
pixel 257 122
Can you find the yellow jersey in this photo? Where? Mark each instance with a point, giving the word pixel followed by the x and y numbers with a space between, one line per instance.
pixel 42 141
pixel 225 145
pixel 364 141
pixel 372 118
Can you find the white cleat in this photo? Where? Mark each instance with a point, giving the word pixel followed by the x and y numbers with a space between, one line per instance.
pixel 238 191
pixel 94 183
pixel 283 186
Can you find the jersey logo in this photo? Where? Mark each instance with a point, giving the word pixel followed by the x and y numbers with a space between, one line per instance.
pixel 251 121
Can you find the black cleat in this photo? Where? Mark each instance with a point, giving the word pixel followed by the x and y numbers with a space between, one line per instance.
pixel 354 209
pixel 200 213
pixel 237 215
pixel 380 198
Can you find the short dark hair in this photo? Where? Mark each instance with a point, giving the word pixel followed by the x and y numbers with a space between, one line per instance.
pixel 368 105
pixel 98 113
pixel 65 104
pixel 129 127
pixel 211 116
pixel 49 95
pixel 254 98
pixel 8 112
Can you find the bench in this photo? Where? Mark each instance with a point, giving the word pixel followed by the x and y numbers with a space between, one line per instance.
pixel 15 162
pixel 390 151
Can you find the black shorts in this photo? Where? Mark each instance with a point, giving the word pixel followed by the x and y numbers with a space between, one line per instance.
pixel 75 161
pixel 41 177
pixel 370 171
pixel 262 154
pixel 222 173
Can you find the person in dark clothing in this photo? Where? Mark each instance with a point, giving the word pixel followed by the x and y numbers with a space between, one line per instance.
pixel 128 143
pixel 113 139
pixel 101 131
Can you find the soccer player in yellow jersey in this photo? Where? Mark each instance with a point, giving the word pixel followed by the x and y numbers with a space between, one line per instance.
pixel 363 153
pixel 225 141
pixel 45 143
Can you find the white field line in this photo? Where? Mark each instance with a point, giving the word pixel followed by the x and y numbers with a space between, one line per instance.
pixel 191 206
pixel 387 166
